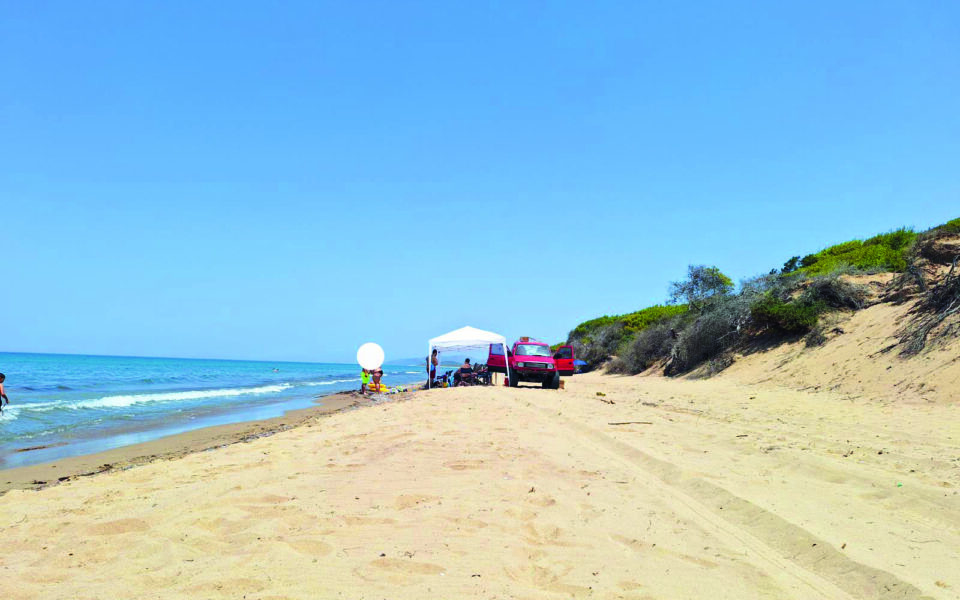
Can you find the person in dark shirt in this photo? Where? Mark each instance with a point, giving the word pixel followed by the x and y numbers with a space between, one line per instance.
pixel 3 394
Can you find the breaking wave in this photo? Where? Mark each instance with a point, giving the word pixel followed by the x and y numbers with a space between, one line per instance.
pixel 128 400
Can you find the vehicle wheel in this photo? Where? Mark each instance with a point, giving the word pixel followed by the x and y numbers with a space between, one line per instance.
pixel 553 383
pixel 514 379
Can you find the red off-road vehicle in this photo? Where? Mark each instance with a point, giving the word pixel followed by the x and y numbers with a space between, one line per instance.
pixel 532 361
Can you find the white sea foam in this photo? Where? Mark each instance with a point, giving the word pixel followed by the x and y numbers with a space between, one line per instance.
pixel 127 400
pixel 331 382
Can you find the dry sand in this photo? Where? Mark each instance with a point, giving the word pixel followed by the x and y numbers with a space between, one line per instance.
pixel 719 490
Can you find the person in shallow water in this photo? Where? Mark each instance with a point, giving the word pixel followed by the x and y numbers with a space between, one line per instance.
pixel 3 394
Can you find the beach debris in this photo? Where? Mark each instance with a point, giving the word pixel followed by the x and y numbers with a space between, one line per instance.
pixel 843 546
pixel 601 394
pixel 532 490
pixel 475 575
pixel 631 423
pixel 899 484
pixel 742 435
pixel 604 400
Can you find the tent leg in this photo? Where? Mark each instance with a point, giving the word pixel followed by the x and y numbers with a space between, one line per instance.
pixel 506 360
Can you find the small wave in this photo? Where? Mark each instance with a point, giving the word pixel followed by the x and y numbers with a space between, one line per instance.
pixel 9 414
pixel 416 373
pixel 315 383
pixel 127 400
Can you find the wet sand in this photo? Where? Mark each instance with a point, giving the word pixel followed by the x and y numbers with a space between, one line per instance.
pixel 169 447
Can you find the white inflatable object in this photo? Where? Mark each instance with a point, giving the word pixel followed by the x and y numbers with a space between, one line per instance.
pixel 370 356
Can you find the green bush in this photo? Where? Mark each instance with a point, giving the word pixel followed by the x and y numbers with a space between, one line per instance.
pixel 950 226
pixel 702 286
pixel 844 248
pixel 788 317
pixel 598 339
pixel 632 322
pixel 895 240
pixel 884 252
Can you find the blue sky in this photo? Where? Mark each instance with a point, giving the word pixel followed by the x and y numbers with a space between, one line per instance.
pixel 289 180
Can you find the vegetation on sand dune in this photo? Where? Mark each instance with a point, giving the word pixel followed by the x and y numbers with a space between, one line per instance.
pixel 883 252
pixel 788 317
pixel 632 322
pixel 702 285
pixel 950 226
pixel 708 316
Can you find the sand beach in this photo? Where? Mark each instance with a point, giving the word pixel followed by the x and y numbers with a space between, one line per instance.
pixel 615 487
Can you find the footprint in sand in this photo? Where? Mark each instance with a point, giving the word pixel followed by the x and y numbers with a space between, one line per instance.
pixel 119 526
pixel 549 535
pixel 310 547
pixel 633 544
pixel 233 587
pixel 547 578
pixel 352 521
pixel 542 501
pixel 405 501
pixel 407 567
pixel 462 465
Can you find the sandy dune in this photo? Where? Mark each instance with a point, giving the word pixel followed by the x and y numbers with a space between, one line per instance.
pixel 730 491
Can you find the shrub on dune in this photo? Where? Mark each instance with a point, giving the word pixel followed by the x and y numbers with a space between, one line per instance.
pixel 651 345
pixel 883 252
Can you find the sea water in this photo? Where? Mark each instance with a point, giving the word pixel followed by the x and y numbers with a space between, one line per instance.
pixel 65 405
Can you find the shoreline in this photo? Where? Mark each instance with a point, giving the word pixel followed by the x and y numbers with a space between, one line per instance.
pixel 46 474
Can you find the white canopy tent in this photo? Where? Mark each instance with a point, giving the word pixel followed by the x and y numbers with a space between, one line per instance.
pixel 467 338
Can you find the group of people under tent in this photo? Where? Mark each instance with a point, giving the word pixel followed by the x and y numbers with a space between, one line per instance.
pixel 467 374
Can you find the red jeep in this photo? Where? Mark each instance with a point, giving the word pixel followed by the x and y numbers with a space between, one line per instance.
pixel 533 361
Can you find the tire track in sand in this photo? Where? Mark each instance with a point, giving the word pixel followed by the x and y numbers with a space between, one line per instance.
pixel 792 553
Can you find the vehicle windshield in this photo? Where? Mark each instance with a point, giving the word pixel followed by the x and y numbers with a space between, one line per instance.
pixel 533 350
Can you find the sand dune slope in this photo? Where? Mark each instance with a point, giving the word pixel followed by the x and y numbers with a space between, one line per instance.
pixel 720 490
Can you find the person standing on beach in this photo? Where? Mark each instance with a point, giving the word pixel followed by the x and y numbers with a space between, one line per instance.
pixel 3 394
pixel 434 361
pixel 364 380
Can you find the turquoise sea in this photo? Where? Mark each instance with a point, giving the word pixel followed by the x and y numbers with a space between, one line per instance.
pixel 66 405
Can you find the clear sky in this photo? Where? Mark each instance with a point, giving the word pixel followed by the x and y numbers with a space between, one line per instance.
pixel 288 180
